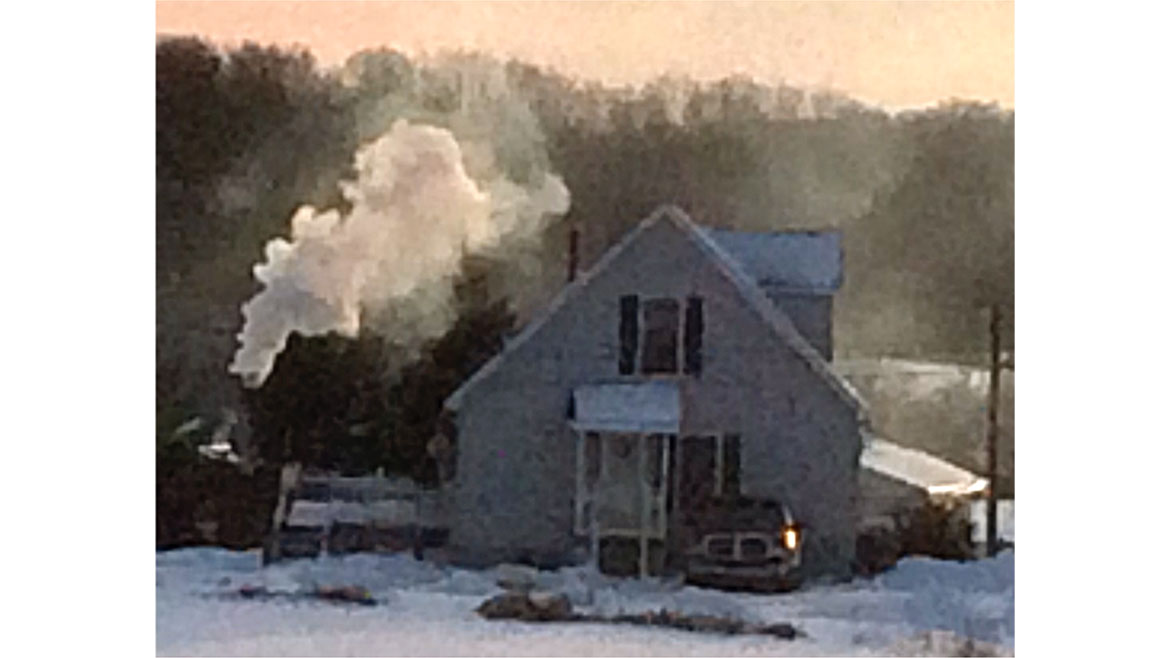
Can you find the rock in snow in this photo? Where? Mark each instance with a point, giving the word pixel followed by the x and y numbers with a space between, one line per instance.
pixel 536 606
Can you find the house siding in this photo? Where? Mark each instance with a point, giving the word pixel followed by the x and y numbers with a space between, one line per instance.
pixel 812 315
pixel 885 497
pixel 800 442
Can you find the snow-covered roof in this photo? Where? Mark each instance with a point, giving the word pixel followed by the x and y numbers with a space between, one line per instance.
pixel 627 407
pixel 219 450
pixel 932 474
pixel 728 265
pixel 807 261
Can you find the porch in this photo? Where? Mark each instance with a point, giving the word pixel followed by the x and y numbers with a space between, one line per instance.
pixel 636 480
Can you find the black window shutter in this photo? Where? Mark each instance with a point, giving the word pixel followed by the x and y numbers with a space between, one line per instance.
pixel 628 334
pixel 731 465
pixel 693 337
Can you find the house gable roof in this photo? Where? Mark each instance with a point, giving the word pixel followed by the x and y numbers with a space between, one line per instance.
pixel 725 263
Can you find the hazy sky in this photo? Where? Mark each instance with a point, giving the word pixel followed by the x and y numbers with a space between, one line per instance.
pixel 894 53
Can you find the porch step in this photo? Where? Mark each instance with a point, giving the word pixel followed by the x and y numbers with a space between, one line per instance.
pixel 619 557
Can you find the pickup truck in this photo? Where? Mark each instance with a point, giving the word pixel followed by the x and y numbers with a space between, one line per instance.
pixel 744 544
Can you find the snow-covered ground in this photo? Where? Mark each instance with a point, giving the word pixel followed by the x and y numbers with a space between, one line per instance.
pixel 429 610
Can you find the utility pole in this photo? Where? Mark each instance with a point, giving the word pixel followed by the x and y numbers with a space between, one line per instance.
pixel 992 535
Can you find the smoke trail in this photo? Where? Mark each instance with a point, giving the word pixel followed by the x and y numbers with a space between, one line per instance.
pixel 415 212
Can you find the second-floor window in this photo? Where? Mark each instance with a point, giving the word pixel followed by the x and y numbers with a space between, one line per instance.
pixel 660 325
pixel 657 337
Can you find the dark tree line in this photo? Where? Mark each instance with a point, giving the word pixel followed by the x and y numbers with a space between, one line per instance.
pixel 246 136
pixel 942 241
pixel 242 139
pixel 352 406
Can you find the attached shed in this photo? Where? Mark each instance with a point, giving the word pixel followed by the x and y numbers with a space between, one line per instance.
pixel 895 479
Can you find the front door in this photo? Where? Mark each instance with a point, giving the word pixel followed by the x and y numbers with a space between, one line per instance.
pixel 694 467
pixel 628 476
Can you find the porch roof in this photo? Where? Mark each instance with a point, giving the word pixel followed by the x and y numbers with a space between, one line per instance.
pixel 934 475
pixel 651 407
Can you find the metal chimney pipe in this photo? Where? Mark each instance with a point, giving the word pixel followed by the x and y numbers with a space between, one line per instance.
pixel 574 251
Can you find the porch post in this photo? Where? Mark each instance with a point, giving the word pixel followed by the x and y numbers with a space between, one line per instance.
pixel 644 499
pixel 595 504
pixel 663 484
pixel 675 476
pixel 579 520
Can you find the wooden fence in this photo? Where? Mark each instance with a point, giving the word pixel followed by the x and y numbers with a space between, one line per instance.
pixel 338 515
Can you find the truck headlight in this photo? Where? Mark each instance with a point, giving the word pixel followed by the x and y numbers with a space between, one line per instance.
pixel 790 537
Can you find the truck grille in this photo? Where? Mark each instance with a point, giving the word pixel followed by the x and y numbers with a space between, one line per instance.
pixel 721 546
pixel 753 548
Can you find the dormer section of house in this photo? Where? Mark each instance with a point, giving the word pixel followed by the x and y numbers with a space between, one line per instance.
pixel 799 271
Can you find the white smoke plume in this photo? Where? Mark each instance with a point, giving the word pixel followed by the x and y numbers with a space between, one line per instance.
pixel 414 213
